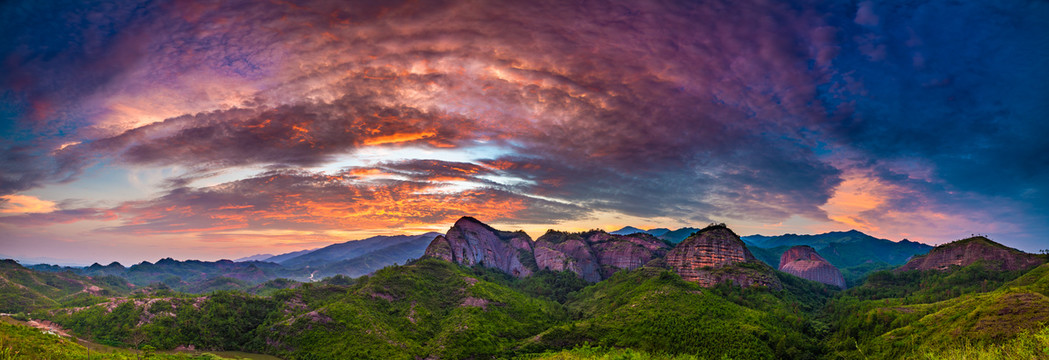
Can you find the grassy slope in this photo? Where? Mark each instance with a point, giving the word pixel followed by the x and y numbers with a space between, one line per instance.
pixel 433 307
pixel 588 352
pixel 655 311
pixel 906 327
pixel 428 308
pixel 23 342
pixel 24 290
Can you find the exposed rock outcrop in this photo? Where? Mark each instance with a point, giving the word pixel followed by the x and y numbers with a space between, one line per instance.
pixel 715 255
pixel 803 261
pixel 471 242
pixel 560 251
pixel 596 255
pixel 965 252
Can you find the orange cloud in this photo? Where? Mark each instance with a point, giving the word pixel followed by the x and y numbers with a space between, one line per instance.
pixel 399 138
pixel 858 193
pixel 25 204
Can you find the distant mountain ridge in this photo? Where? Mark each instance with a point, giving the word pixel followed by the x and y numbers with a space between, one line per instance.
pixel 852 252
pixel 352 258
pixel 256 257
pixel 351 249
pixel 673 236
pixel 841 248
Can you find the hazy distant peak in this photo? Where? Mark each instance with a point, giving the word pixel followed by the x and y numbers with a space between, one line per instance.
pixel 627 230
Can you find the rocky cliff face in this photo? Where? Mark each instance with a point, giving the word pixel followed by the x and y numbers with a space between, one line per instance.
pixel 560 251
pixel 715 255
pixel 596 255
pixel 470 242
pixel 803 261
pixel 965 252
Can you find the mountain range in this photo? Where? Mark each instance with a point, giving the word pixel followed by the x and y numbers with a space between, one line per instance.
pixel 594 255
pixel 351 258
pixel 479 292
pixel 673 236
pixel 852 252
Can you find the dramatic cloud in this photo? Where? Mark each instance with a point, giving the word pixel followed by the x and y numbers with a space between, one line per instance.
pixel 355 199
pixel 901 119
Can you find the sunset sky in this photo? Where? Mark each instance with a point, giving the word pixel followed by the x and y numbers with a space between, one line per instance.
pixel 133 131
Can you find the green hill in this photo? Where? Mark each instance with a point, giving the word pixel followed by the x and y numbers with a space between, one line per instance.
pixel 18 341
pixel 430 307
pixel 918 315
pixel 435 309
pixel 23 290
pixel 655 311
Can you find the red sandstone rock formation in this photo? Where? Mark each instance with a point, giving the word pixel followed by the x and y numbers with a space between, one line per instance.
pixel 559 251
pixel 712 255
pixel 803 261
pixel 470 242
pixel 965 252
pixel 596 255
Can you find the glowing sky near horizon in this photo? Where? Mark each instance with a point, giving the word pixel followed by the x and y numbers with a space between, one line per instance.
pixel 135 130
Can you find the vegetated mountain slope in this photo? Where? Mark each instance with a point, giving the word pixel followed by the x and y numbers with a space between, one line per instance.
pixel 352 249
pixel 658 232
pixel 23 289
pixel 655 310
pixel 429 308
pixel 590 352
pixel 679 235
pixel 964 310
pixel 370 262
pixel 18 341
pixel 177 273
pixel 283 257
pixel 967 251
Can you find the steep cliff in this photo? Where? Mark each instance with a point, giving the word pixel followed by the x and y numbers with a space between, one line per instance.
pixel 715 255
pixel 471 242
pixel 596 255
pixel 967 251
pixel 560 251
pixel 803 261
